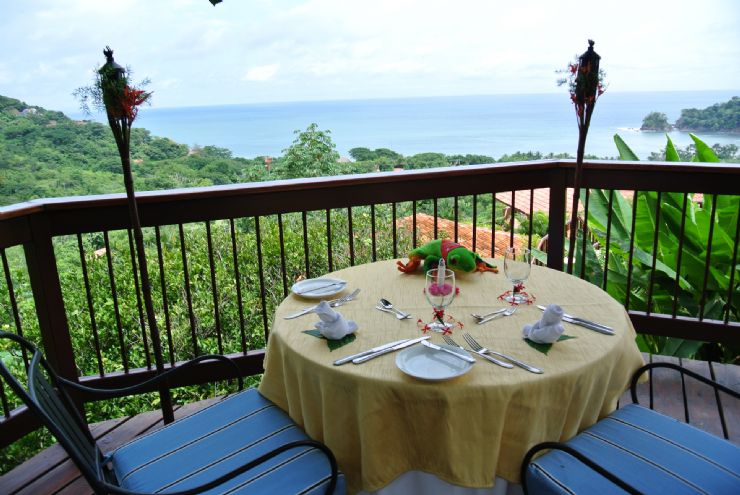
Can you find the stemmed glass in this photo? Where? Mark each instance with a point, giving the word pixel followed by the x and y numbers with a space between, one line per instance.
pixel 440 290
pixel 517 264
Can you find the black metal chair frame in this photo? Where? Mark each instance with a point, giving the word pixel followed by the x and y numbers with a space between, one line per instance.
pixel 51 402
pixel 633 392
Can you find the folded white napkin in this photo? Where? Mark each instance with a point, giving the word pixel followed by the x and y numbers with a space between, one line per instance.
pixel 333 326
pixel 548 329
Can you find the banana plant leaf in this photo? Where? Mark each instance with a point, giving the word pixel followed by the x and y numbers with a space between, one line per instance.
pixel 664 221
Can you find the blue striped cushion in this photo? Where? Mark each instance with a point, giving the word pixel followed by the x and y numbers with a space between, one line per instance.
pixel 217 439
pixel 650 451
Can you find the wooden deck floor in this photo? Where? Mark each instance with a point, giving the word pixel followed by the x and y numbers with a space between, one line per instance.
pixel 51 471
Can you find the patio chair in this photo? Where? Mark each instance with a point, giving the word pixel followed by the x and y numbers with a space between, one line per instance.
pixel 243 444
pixel 637 450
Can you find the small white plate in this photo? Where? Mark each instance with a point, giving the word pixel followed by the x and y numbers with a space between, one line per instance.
pixel 427 364
pixel 318 288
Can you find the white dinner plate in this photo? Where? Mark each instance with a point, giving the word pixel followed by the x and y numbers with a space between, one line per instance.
pixel 427 364
pixel 318 288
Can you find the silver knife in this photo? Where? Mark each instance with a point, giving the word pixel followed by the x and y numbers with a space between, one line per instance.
pixel 325 286
pixel 300 313
pixel 390 349
pixel 347 359
pixel 576 319
pixel 443 349
pixel 589 325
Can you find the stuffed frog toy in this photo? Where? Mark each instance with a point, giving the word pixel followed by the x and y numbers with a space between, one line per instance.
pixel 456 257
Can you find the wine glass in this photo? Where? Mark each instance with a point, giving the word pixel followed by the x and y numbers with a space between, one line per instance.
pixel 440 291
pixel 517 264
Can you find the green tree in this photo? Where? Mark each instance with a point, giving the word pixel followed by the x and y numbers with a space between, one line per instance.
pixel 312 154
pixel 361 154
pixel 163 148
pixel 426 160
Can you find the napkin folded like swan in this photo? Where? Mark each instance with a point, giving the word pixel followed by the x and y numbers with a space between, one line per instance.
pixel 333 326
pixel 548 329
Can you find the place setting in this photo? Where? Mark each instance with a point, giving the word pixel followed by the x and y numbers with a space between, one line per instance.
pixel 320 288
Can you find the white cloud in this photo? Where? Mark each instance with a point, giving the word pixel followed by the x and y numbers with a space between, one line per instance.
pixel 261 73
pixel 196 54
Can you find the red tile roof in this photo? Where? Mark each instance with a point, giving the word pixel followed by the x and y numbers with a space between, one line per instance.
pixel 446 229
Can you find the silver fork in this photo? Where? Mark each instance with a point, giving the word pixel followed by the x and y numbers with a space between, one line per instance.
pixel 333 303
pixel 508 312
pixel 481 317
pixel 449 341
pixel 399 316
pixel 476 347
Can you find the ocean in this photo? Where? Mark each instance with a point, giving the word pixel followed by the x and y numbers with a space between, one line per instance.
pixel 492 125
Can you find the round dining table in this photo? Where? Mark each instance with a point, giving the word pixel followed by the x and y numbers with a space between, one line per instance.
pixel 469 432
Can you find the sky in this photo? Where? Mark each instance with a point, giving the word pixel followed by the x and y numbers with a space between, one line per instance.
pixel 260 51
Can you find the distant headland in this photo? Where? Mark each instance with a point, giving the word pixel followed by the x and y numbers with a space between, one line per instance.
pixel 720 117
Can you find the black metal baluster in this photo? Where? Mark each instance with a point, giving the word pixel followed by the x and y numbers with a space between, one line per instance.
pixel 13 302
pixel 90 308
pixel 4 401
pixel 655 254
pixel 16 320
pixel 608 238
pixel 511 219
pixel 456 217
pixel 372 232
pixel 188 294
pixel 214 288
pixel 676 284
pixel 632 251
pixel 712 218
pixel 139 303
pixel 413 225
pixel 165 301
pixel 283 270
pixel 687 419
pixel 116 308
pixel 531 217
pixel 350 228
pixel 732 268
pixel 393 228
pixel 717 396
pixel 436 227
pixel 493 225
pixel 260 268
pixel 328 240
pixel 475 220
pixel 238 280
pixel 304 218
pixel 584 233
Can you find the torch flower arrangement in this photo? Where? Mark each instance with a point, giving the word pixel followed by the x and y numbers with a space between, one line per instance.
pixel 585 84
pixel 112 92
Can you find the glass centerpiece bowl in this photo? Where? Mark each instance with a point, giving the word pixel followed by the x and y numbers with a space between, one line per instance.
pixel 440 290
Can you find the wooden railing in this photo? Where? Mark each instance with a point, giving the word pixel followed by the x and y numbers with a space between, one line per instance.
pixel 222 258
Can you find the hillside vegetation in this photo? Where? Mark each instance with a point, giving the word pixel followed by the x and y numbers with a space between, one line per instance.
pixel 720 117
pixel 43 154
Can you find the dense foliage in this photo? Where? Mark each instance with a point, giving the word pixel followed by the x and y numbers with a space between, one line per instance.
pixel 661 277
pixel 720 117
pixel 655 121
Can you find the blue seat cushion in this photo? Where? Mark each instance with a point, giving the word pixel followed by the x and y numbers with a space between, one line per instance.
pixel 218 439
pixel 652 452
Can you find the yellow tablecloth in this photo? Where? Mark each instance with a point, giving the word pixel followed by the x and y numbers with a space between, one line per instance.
pixel 381 422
